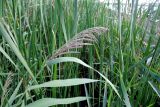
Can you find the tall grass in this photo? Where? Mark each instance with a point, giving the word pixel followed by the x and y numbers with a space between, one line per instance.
pixel 79 53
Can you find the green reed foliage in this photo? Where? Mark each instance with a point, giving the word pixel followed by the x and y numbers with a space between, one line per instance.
pixel 120 65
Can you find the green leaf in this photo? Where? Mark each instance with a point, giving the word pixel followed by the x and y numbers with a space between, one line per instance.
pixel 63 83
pixel 7 56
pixel 155 88
pixel 76 60
pixel 13 96
pixel 86 91
pixel 22 105
pixel 67 59
pixel 125 94
pixel 62 19
pixel 13 46
pixel 46 102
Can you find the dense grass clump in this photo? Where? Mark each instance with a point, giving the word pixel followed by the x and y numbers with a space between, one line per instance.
pixel 79 53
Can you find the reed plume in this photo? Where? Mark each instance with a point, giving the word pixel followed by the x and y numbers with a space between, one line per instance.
pixel 6 88
pixel 86 37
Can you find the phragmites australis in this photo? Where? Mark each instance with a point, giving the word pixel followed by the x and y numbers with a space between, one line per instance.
pixel 86 37
pixel 5 89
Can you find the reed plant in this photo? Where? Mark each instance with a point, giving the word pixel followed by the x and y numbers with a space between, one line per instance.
pixel 77 53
